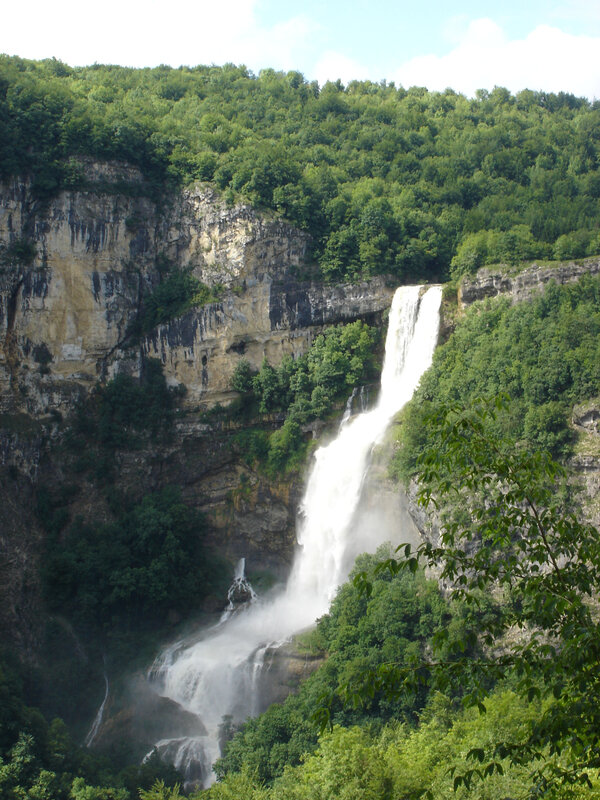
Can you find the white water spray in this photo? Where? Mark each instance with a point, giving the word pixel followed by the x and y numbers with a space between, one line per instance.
pixel 89 739
pixel 219 675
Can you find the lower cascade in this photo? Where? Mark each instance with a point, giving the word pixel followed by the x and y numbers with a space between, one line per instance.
pixel 218 674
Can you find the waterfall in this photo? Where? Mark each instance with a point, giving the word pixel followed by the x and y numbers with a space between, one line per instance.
pixel 89 739
pixel 219 674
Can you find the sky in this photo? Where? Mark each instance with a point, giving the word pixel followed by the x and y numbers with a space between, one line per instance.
pixel 547 45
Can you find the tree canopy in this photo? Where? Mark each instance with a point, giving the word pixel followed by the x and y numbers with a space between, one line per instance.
pixel 506 530
pixel 385 179
pixel 543 353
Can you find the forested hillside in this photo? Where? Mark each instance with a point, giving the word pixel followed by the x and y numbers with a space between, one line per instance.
pixel 412 185
pixel 543 354
pixel 386 179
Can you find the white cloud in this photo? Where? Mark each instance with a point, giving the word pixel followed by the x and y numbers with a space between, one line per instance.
pixel 332 66
pixel 547 59
pixel 280 47
pixel 136 33
pixel 454 28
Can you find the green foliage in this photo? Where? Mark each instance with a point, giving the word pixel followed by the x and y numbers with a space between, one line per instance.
pixel 238 785
pixel 401 761
pixel 508 247
pixel 160 791
pixel 345 766
pixel 386 180
pixel 507 530
pixel 576 244
pixel 82 791
pixel 242 377
pixel 150 560
pixel 20 252
pixel 40 760
pixel 544 353
pixel 120 414
pixel 177 292
pixel 305 388
pixel 127 405
pixel 252 445
pixel 285 447
pixel 395 623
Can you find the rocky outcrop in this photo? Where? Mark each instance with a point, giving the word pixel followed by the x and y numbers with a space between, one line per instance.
pixel 74 273
pixel 494 281
pixel 144 719
pixel 248 515
pixel 268 319
pixel 287 667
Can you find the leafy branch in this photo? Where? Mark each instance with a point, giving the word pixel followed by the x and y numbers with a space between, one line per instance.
pixel 506 531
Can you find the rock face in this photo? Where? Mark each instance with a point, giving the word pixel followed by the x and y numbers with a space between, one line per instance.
pixel 74 272
pixel 585 462
pixel 492 281
pixel 268 319
pixel 248 515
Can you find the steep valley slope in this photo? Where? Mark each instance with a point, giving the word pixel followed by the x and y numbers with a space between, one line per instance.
pixel 77 276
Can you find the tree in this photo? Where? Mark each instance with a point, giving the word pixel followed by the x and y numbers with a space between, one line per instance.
pixel 507 531
pixel 160 791
pixel 241 380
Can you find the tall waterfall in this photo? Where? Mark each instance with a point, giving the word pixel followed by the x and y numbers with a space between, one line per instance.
pixel 218 674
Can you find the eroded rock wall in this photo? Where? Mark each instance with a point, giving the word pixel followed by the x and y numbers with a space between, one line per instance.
pixel 73 275
pixel 494 281
pixel 268 319
pixel 66 315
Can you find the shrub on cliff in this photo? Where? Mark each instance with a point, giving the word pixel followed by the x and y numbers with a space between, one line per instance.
pixel 306 388
pixel 177 292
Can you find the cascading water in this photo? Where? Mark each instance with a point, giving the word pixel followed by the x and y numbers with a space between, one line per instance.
pixel 218 675
pixel 89 739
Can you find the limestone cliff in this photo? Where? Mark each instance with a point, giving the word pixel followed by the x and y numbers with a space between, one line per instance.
pixel 67 306
pixel 523 285
pixel 74 273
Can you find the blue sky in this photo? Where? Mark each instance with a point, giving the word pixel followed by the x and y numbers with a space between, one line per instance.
pixel 552 45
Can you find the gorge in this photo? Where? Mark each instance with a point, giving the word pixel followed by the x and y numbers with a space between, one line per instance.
pixel 197 268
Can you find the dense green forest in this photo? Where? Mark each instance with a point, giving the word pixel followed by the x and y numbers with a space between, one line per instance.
pixel 543 354
pixel 385 179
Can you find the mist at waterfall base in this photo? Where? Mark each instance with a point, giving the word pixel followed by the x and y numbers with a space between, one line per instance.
pixel 219 672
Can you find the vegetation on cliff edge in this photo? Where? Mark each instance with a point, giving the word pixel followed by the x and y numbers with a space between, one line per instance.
pixel 543 353
pixel 385 179
pixel 339 360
